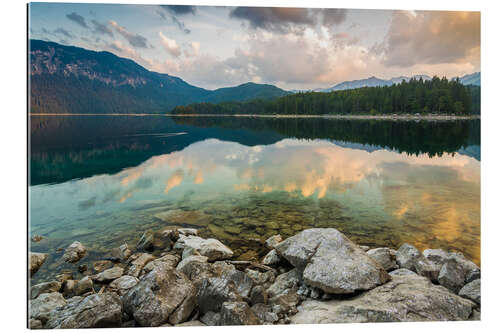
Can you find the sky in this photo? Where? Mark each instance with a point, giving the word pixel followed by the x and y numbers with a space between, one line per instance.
pixel 293 48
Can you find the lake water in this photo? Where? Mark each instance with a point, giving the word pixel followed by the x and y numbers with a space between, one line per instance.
pixel 104 180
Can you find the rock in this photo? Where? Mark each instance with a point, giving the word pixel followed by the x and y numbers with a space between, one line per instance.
pixel 83 286
pixel 436 256
pixel 45 287
pixel 210 248
pixel 189 251
pixel 211 318
pixel 109 275
pixel 74 252
pixel 102 265
pixel 188 231
pixel 439 257
pixel 385 257
pixel 331 262
pixel 472 275
pixel 472 291
pixel 405 298
pixel 212 292
pixel 364 247
pixel 35 324
pixel 64 276
pixel 272 241
pixel 452 275
pixel 264 313
pixel 82 268
pixel 283 282
pixel 259 277
pixel 186 265
pixel 190 323
pixel 272 258
pixel 258 295
pixel 184 310
pixel 138 263
pixel 242 282
pixel 36 238
pixel 286 302
pixel 68 288
pixel 475 316
pixel 123 284
pixel 145 243
pixel 94 311
pixel 122 252
pixel 402 272
pixel 158 295
pixel 41 307
pixel 36 261
pixel 169 259
pixel 409 257
pixel 237 313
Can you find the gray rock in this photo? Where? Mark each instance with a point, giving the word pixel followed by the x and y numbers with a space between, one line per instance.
pixel 452 275
pixel 385 257
pixel 265 313
pixel 212 292
pixel 83 286
pixel 188 231
pixel 242 281
pixel 409 257
pixel 284 282
pixel 109 275
pixel 122 252
pixel 189 251
pixel 68 288
pixel 158 295
pixel 472 291
pixel 191 323
pixel 145 243
pixel 237 313
pixel 402 272
pixel 64 276
pixel 123 284
pixel 210 248
pixel 272 241
pixel 139 260
pixel 35 324
pixel 186 265
pixel 439 257
pixel 36 261
pixel 364 247
pixel 45 287
pixel 41 307
pixel 94 311
pixel 169 259
pixel 272 258
pixel 258 295
pixel 405 298
pixel 211 318
pixel 184 310
pixel 260 277
pixel 285 303
pixel 331 262
pixel 472 275
pixel 102 265
pixel 74 252
pixel 475 316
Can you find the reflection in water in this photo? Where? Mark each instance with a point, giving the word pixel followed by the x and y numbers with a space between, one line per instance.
pixel 238 194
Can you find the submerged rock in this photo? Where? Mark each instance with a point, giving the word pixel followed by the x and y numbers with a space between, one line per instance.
pixel 405 298
pixel 158 295
pixel 36 261
pixel 74 252
pixel 331 262
pixel 102 265
pixel 94 311
pixel 472 291
pixel 122 252
pixel 210 248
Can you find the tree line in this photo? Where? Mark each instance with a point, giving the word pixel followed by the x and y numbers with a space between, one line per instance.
pixel 438 95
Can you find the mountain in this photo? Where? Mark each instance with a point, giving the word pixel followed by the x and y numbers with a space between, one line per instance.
pixel 371 82
pixel 471 79
pixel 68 79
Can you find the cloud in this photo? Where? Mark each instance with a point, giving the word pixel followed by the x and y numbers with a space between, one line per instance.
pixel 102 28
pixel 64 32
pixel 284 20
pixel 431 37
pixel 192 50
pixel 170 45
pixel 179 9
pixel 135 40
pixel 78 19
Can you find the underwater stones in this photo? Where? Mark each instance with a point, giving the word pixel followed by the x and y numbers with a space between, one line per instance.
pixel 331 262
pixel 210 248
pixel 405 298
pixel 45 287
pixel 237 313
pixel 272 241
pixel 385 257
pixel 36 260
pixel 157 296
pixel 93 311
pixel 41 307
pixel 36 238
pixel 472 291
pixel 109 275
pixel 102 265
pixel 74 252
pixel 123 284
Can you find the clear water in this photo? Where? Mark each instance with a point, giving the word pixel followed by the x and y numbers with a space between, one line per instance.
pixel 105 180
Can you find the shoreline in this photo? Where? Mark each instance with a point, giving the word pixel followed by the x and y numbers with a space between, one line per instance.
pixel 277 116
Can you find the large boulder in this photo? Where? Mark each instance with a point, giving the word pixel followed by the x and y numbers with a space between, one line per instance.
pixel 210 248
pixel 439 257
pixel 41 307
pixel 74 252
pixel 472 291
pixel 156 297
pixel 36 261
pixel 385 256
pixel 237 313
pixel 213 292
pixel 44 287
pixel 406 298
pixel 93 311
pixel 331 262
pixel 409 257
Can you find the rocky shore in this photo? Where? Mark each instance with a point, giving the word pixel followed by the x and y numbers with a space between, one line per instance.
pixel 315 276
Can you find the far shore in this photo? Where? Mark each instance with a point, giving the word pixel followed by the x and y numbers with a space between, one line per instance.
pixel 430 117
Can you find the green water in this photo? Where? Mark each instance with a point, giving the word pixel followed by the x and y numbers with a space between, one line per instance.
pixel 105 180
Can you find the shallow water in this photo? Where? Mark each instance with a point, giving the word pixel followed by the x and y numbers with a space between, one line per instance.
pixel 105 180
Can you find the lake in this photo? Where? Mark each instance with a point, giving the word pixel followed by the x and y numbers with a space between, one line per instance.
pixel 104 180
